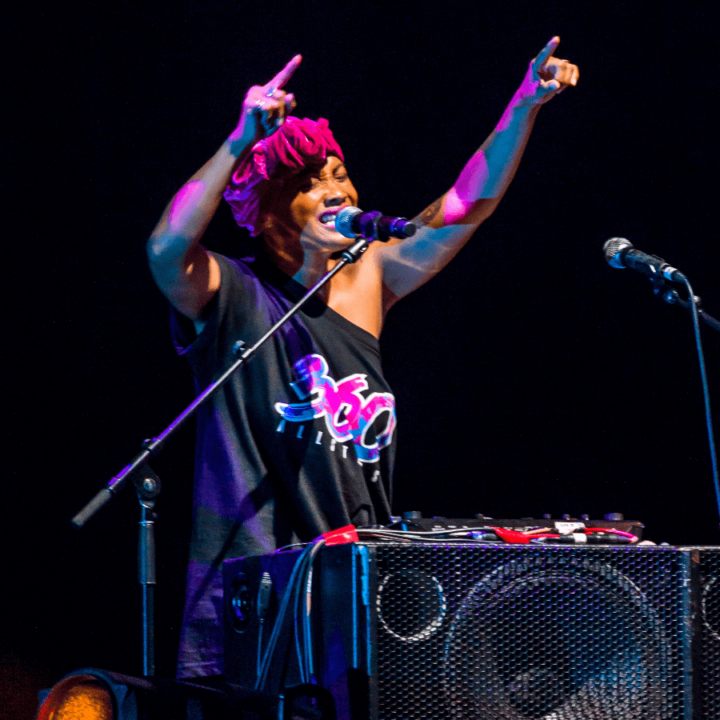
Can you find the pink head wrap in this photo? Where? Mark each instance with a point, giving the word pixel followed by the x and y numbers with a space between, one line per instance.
pixel 297 144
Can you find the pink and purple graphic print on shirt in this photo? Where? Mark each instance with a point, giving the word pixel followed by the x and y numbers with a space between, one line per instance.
pixel 348 415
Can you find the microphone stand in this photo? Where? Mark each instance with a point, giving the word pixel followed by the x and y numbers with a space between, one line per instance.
pixel 692 303
pixel 147 482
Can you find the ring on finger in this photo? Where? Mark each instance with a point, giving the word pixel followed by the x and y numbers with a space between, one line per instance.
pixel 260 104
pixel 270 92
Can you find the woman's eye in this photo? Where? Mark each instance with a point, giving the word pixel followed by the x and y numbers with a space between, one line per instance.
pixel 307 185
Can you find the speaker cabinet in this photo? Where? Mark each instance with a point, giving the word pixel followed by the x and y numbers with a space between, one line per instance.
pixel 407 631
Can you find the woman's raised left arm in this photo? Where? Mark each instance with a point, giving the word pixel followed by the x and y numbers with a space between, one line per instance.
pixel 448 223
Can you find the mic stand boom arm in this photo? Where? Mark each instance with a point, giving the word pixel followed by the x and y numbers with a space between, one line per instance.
pixel 148 484
pixel 152 446
pixel 672 297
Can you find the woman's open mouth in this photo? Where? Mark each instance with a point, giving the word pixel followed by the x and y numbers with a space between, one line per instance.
pixel 328 217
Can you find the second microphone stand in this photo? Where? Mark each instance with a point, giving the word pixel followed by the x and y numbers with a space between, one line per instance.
pixel 692 303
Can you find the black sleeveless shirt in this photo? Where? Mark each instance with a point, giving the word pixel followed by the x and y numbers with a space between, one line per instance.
pixel 298 442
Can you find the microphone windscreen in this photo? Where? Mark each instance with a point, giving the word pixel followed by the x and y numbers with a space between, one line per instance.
pixel 612 249
pixel 344 220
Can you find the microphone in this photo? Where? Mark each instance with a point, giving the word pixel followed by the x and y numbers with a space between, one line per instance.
pixel 620 253
pixel 352 222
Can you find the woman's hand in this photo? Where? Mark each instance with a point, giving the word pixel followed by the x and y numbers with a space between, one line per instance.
pixel 265 107
pixel 546 77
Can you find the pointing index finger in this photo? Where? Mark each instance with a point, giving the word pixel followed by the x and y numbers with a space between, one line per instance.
pixel 545 53
pixel 286 73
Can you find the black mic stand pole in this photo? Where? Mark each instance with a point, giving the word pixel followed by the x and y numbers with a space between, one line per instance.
pixel 147 482
pixel 692 303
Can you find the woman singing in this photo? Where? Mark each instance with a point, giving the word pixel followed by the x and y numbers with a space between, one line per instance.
pixel 301 440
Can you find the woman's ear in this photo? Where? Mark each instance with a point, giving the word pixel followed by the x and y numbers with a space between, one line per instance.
pixel 265 223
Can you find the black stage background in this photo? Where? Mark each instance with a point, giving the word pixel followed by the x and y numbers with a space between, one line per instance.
pixel 530 377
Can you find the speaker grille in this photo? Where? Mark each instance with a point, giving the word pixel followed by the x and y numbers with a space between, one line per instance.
pixel 710 633
pixel 512 633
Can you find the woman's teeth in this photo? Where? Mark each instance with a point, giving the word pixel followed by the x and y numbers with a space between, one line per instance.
pixel 328 218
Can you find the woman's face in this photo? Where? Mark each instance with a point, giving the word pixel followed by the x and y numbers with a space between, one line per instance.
pixel 309 202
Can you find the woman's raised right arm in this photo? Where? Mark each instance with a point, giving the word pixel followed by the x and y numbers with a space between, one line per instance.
pixel 184 271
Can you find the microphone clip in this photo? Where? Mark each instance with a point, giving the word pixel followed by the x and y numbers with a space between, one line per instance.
pixel 672 297
pixel 662 288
